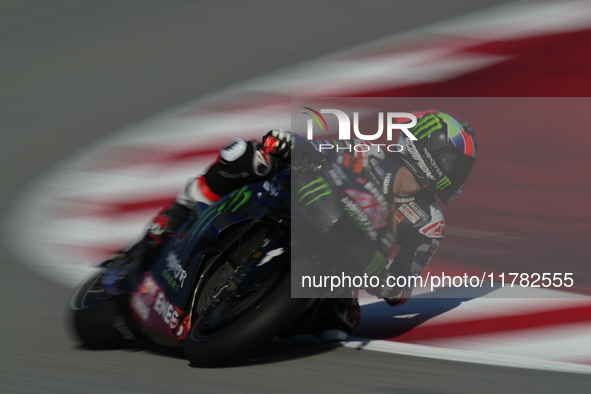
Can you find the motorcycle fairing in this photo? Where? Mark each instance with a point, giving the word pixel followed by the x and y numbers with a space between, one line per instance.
pixel 149 305
pixel 180 264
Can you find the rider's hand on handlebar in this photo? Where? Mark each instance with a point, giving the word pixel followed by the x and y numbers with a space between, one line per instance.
pixel 384 290
pixel 279 143
pixel 394 296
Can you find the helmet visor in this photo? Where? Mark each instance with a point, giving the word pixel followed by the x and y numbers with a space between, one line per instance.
pixel 456 167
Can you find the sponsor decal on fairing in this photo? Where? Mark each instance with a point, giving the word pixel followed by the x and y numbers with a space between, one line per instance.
pixel 143 299
pixel 173 272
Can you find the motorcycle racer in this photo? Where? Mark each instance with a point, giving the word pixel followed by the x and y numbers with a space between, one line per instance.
pixel 436 164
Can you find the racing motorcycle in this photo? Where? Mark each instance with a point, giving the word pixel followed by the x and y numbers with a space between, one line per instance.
pixel 222 287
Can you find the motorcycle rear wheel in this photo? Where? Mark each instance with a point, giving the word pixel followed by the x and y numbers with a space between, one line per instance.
pixel 232 342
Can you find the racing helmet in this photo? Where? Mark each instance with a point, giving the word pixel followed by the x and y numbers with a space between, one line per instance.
pixel 442 156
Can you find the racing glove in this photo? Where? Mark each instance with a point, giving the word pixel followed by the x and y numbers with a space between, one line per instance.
pixel 279 143
pixel 239 164
pixel 393 295
pixel 382 290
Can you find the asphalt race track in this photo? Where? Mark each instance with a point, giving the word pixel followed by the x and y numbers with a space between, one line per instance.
pixel 75 72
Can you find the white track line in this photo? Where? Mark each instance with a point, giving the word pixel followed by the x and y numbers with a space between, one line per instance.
pixel 469 356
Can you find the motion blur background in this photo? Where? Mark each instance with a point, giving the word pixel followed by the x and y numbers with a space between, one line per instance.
pixel 75 73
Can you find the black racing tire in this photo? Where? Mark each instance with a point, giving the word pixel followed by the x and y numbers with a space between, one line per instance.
pixel 258 326
pixel 96 322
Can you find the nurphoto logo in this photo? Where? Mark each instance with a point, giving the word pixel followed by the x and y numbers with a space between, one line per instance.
pixel 393 122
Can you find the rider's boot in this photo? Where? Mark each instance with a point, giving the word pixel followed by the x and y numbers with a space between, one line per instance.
pixel 335 319
pixel 334 335
pixel 346 316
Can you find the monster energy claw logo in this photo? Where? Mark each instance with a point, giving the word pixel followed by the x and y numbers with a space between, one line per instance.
pixel 443 183
pixel 426 125
pixel 234 201
pixel 314 190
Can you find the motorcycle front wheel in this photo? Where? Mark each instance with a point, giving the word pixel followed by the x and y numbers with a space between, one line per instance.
pixel 237 326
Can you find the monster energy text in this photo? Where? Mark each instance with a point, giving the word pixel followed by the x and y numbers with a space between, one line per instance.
pixel 432 163
pixel 417 156
pixel 357 214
